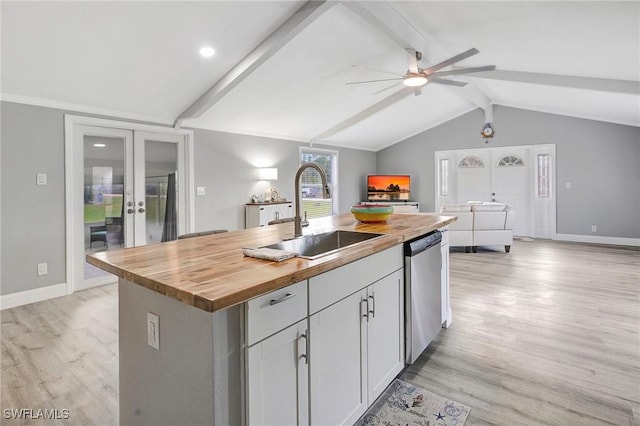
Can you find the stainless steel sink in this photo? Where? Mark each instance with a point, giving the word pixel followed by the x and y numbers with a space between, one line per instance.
pixel 314 246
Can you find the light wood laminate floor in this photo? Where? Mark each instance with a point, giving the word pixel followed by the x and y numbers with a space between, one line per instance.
pixel 545 335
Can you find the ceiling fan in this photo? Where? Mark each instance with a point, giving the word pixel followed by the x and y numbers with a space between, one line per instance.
pixel 417 77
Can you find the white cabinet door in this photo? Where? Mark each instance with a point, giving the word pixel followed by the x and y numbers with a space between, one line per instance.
pixel 277 377
pixel 337 371
pixel 284 210
pixel 385 335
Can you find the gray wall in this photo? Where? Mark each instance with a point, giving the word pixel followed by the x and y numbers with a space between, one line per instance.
pixel 226 164
pixel 601 160
pixel 33 221
pixel 33 217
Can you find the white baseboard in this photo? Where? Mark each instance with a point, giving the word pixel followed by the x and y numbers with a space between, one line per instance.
pixel 30 296
pixel 617 241
pixel 95 282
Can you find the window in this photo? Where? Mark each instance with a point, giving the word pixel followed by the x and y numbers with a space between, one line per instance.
pixel 510 161
pixel 543 175
pixel 444 176
pixel 311 183
pixel 471 162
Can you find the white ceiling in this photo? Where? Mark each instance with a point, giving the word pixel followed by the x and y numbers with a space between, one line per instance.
pixel 140 60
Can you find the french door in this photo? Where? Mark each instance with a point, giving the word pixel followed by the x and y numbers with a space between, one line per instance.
pixel 125 188
pixel 521 176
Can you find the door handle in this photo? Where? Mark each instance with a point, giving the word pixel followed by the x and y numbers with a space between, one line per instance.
pixel 140 210
pixel 373 310
pixel 306 347
pixel 366 308
pixel 281 299
pixel 130 211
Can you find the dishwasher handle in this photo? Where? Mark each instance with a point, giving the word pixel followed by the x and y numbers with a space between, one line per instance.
pixel 422 243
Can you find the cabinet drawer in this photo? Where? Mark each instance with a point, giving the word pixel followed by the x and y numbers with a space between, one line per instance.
pixel 267 314
pixel 326 289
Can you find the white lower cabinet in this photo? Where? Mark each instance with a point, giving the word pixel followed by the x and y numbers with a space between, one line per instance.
pixel 338 374
pixel 324 362
pixel 277 379
pixel 356 351
pixel 385 333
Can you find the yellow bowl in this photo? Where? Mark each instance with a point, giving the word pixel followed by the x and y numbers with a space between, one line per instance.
pixel 371 212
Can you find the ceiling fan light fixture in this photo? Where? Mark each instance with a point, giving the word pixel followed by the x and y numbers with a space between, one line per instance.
pixel 414 80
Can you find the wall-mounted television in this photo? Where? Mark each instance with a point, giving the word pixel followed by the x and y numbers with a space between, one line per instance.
pixel 388 188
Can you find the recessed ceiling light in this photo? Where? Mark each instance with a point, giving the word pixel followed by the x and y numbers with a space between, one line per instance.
pixel 207 52
pixel 99 145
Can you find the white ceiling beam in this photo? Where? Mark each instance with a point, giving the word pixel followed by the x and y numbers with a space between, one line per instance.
pixel 302 18
pixel 366 113
pixel 589 83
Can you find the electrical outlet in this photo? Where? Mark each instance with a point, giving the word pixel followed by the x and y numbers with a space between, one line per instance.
pixel 594 228
pixel 41 179
pixel 200 190
pixel 42 269
pixel 153 330
pixel 567 185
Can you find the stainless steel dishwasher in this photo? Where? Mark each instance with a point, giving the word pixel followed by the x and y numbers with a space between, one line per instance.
pixel 423 309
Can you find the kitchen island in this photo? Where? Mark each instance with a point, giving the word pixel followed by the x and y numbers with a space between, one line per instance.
pixel 213 333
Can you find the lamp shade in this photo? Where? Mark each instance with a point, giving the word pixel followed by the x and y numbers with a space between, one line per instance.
pixel 268 173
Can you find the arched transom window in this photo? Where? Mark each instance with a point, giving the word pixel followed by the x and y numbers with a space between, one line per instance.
pixel 471 162
pixel 510 161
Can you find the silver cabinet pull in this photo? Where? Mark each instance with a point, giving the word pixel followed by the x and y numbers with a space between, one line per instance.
pixel 306 346
pixel 140 210
pixel 373 305
pixel 130 211
pixel 282 299
pixel 366 308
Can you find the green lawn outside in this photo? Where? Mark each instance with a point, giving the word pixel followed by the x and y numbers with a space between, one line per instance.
pixel 316 207
pixel 111 206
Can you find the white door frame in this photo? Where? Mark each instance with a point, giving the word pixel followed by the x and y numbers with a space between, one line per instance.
pixel 534 150
pixel 74 173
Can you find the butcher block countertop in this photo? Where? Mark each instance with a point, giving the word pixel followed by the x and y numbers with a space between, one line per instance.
pixel 211 273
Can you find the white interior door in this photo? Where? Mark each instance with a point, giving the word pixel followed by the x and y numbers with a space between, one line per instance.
pixel 472 177
pixel 511 183
pixel 119 193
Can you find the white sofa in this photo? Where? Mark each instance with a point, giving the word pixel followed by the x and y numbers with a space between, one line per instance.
pixel 480 224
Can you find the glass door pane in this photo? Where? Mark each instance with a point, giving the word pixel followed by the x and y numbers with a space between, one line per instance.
pixel 104 166
pixel 160 191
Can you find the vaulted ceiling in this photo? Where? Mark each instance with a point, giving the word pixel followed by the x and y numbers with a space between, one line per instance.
pixel 281 68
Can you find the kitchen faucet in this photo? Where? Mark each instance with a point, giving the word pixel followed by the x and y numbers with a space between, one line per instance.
pixel 297 221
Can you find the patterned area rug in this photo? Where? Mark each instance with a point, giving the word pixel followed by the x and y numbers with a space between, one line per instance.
pixel 404 404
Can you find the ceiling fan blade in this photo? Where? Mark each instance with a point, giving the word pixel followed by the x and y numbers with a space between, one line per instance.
pixel 413 59
pixel 449 82
pixel 375 81
pixel 385 89
pixel 452 60
pixel 373 69
pixel 463 71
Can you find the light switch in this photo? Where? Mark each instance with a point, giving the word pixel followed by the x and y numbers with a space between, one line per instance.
pixel 200 190
pixel 567 185
pixel 41 179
